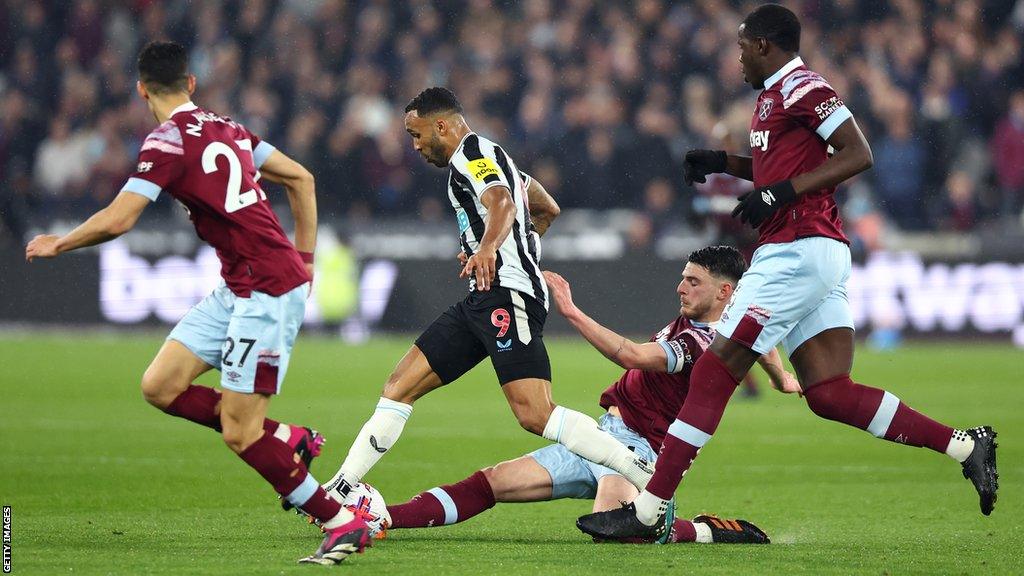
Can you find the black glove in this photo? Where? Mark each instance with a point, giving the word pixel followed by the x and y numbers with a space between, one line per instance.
pixel 699 163
pixel 756 206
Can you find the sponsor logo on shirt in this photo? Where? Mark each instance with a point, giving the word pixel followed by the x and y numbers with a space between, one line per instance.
pixel 463 220
pixel 759 139
pixel 482 168
pixel 144 167
pixel 826 108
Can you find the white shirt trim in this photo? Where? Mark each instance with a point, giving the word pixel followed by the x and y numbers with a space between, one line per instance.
pixel 782 72
pixel 186 107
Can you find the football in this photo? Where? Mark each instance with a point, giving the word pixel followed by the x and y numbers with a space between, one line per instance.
pixel 366 500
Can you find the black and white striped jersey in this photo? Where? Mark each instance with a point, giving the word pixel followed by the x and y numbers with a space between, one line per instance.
pixel 477 165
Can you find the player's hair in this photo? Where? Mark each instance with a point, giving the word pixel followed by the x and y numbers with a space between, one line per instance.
pixel 776 24
pixel 433 100
pixel 721 261
pixel 163 67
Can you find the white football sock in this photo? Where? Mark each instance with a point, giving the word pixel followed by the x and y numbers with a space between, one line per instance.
pixel 960 446
pixel 703 533
pixel 649 508
pixel 342 517
pixel 376 437
pixel 580 434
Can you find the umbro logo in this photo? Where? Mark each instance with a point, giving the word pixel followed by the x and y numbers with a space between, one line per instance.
pixel 767 197
pixel 373 442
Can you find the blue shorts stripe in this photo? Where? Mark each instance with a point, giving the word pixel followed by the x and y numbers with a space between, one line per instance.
pixel 883 417
pixel 261 153
pixel 451 513
pixel 304 492
pixel 671 355
pixel 840 115
pixel 692 436
pixel 142 188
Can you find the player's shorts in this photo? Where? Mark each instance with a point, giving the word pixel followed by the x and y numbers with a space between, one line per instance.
pixel 792 292
pixel 573 476
pixel 249 339
pixel 501 323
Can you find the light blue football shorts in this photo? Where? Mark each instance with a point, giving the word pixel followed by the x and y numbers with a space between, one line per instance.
pixel 248 339
pixel 573 476
pixel 791 292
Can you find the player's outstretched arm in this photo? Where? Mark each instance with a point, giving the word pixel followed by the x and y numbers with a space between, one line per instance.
pixel 615 347
pixel 301 188
pixel 781 379
pixel 109 223
pixel 699 163
pixel 852 156
pixel 740 166
pixel 543 208
pixel 501 212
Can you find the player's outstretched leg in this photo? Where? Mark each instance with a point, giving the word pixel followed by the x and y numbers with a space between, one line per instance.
pixel 278 464
pixel 711 387
pixel 883 415
pixel 530 400
pixel 412 378
pixel 167 385
pixel 445 505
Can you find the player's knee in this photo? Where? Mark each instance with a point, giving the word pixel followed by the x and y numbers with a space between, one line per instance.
pixel 825 398
pixel 157 389
pixel 493 478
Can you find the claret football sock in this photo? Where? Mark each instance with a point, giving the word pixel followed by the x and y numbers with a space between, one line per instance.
pixel 281 467
pixel 581 434
pixel 711 386
pixel 884 416
pixel 197 404
pixel 375 438
pixel 687 531
pixel 445 504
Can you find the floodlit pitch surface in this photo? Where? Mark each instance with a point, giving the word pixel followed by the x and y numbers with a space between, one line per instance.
pixel 102 483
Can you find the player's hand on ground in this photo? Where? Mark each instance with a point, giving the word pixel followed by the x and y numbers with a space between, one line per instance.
pixel 482 266
pixel 699 163
pixel 787 384
pixel 559 289
pixel 42 246
pixel 759 204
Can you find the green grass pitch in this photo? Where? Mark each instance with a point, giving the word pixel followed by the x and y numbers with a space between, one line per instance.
pixel 101 483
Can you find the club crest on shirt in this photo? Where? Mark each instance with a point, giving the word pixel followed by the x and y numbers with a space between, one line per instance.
pixel 765 109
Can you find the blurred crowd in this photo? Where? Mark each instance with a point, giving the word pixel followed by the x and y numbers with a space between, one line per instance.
pixel 597 99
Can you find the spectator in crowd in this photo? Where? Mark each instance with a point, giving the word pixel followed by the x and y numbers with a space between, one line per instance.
pixel 603 96
pixel 1008 156
pixel 899 167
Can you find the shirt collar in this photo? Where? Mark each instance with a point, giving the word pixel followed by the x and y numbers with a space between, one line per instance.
pixel 782 72
pixel 186 107
pixel 459 147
